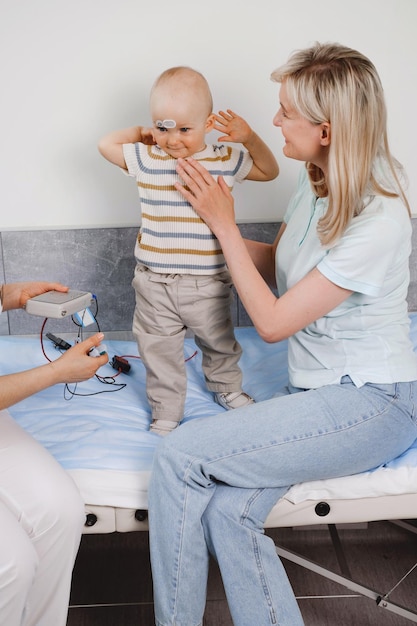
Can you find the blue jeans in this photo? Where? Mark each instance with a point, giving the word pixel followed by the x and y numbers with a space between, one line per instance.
pixel 215 480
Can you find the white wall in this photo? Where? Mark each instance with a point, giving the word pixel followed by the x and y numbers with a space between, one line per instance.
pixel 72 71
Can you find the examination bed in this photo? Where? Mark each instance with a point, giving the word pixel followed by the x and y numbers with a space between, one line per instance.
pixel 99 432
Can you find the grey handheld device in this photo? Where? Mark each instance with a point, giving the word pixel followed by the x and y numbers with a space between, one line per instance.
pixel 57 304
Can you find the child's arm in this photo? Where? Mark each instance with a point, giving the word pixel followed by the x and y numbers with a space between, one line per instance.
pixel 237 130
pixel 111 145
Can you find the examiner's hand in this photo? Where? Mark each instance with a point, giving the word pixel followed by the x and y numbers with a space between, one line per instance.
pixel 75 365
pixel 211 200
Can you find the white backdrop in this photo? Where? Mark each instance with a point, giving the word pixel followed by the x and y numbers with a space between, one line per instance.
pixel 73 71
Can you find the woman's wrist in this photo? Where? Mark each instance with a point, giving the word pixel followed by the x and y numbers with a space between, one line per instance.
pixel 5 297
pixel 227 233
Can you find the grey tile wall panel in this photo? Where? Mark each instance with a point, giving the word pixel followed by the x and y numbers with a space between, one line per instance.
pixel 96 260
pixel 101 261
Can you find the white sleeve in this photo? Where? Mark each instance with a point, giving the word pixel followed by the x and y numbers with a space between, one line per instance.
pixel 361 259
pixel 131 159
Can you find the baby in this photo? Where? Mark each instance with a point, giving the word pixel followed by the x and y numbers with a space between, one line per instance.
pixel 181 280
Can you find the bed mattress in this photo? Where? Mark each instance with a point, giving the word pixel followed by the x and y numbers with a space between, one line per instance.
pixel 101 437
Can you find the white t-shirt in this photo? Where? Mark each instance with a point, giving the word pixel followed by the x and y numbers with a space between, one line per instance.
pixel 367 336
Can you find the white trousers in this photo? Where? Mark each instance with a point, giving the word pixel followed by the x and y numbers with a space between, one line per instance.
pixel 41 520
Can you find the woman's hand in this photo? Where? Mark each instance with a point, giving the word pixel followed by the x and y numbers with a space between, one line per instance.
pixel 275 319
pixel 15 295
pixel 210 199
pixel 75 365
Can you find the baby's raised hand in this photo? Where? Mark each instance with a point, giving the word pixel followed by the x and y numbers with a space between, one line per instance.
pixel 147 136
pixel 234 127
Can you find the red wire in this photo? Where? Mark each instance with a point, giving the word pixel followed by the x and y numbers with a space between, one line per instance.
pixel 125 356
pixel 191 357
pixel 42 346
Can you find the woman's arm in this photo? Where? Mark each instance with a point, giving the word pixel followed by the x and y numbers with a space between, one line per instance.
pixel 73 366
pixel 263 256
pixel 274 318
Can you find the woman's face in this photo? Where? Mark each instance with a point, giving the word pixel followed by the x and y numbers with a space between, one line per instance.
pixel 304 141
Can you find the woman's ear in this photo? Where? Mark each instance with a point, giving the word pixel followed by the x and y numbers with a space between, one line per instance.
pixel 325 134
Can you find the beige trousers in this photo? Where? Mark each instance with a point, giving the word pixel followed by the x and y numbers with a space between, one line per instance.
pixel 166 306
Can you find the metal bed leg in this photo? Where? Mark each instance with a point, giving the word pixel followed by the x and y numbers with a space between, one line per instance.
pixel 340 554
pixel 346 580
pixel 404 524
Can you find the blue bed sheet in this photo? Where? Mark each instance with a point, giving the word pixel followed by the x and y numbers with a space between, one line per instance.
pixel 103 433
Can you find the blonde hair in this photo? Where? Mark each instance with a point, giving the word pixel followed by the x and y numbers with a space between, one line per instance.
pixel 184 78
pixel 335 84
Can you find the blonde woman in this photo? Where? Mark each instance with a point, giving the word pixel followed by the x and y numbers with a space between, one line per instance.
pixel 340 262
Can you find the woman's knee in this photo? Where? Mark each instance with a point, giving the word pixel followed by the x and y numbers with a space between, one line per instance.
pixel 246 508
pixel 224 512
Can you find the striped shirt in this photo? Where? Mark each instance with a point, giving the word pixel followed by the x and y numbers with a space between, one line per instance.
pixel 173 239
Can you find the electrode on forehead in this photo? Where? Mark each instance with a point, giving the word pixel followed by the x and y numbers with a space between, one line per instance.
pixel 165 123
